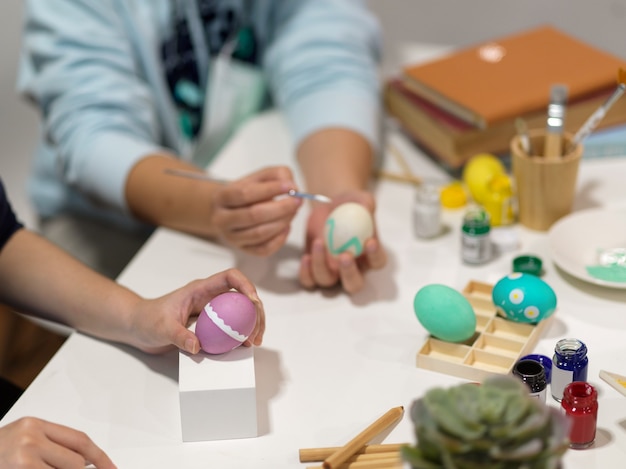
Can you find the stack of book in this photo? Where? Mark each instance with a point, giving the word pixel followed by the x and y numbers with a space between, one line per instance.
pixel 467 102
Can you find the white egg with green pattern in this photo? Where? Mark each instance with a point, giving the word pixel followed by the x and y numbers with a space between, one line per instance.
pixel 347 228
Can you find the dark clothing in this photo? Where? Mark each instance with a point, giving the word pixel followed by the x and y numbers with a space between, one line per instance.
pixel 221 21
pixel 8 221
pixel 9 394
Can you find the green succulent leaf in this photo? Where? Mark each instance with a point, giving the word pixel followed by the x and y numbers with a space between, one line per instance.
pixel 415 458
pixel 495 425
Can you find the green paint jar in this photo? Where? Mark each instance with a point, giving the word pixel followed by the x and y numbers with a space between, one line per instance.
pixel 475 237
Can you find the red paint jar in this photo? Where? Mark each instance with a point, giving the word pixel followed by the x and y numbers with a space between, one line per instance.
pixel 580 403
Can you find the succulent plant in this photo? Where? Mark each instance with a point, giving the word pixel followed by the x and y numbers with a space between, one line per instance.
pixel 495 425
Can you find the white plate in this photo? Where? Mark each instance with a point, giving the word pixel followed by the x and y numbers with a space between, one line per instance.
pixel 576 239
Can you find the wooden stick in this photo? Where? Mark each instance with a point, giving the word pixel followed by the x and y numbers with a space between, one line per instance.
pixel 319 454
pixel 406 169
pixel 618 382
pixel 388 463
pixel 375 457
pixel 552 149
pixel 344 452
pixel 382 174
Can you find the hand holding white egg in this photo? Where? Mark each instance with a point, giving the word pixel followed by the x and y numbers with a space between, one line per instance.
pixel 347 228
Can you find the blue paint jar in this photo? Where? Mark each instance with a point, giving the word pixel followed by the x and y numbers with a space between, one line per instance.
pixel 569 364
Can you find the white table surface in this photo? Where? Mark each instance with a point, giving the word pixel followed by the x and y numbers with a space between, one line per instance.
pixel 330 364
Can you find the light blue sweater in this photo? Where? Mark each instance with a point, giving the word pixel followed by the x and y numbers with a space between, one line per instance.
pixel 94 70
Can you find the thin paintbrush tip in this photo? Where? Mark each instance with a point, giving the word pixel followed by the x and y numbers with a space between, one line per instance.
pixel 621 77
pixel 306 195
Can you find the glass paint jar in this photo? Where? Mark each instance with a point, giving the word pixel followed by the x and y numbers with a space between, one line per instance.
pixel 533 374
pixel 427 211
pixel 569 364
pixel 475 239
pixel 580 404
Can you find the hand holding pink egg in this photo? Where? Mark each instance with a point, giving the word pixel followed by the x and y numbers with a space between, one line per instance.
pixel 225 322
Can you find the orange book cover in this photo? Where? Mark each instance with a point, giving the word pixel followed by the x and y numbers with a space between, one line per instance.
pixel 454 141
pixel 512 76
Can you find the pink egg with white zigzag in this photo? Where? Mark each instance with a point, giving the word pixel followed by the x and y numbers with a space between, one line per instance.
pixel 225 322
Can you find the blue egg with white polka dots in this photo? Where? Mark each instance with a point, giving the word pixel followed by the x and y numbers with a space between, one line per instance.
pixel 524 298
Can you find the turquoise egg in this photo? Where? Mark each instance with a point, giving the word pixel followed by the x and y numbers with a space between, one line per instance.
pixel 524 298
pixel 445 313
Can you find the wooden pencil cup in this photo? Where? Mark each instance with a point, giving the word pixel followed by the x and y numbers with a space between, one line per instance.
pixel 545 187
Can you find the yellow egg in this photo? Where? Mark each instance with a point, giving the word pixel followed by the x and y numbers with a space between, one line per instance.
pixel 478 171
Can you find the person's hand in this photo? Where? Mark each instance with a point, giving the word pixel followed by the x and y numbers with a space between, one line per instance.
pixel 155 325
pixel 250 214
pixel 31 443
pixel 319 269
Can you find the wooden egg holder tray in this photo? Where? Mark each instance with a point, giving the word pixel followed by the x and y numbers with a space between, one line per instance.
pixel 494 348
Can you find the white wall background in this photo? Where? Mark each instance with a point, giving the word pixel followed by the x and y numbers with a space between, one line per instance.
pixel 447 22
pixel 18 121
pixel 463 22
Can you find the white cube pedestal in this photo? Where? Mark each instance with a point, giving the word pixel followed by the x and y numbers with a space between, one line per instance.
pixel 217 395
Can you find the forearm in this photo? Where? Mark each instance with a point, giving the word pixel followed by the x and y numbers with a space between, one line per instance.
pixel 335 160
pixel 167 200
pixel 40 279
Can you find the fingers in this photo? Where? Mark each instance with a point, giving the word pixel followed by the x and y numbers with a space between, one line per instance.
pixel 375 255
pixel 259 186
pixel 317 269
pixel 262 228
pixel 237 280
pixel 352 279
pixel 78 442
pixel 34 442
pixel 327 272
pixel 234 278
pixel 222 282
pixel 268 247
pixel 251 218
pixel 305 273
pixel 324 269
pixel 256 336
pixel 187 341
pixel 271 173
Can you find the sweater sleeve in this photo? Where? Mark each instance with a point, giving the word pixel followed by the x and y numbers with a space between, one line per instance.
pixel 78 65
pixel 8 221
pixel 322 66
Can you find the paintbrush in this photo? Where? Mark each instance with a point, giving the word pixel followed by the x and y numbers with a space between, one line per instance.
pixel 522 131
pixel 618 382
pixel 555 121
pixel 206 177
pixel 595 118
